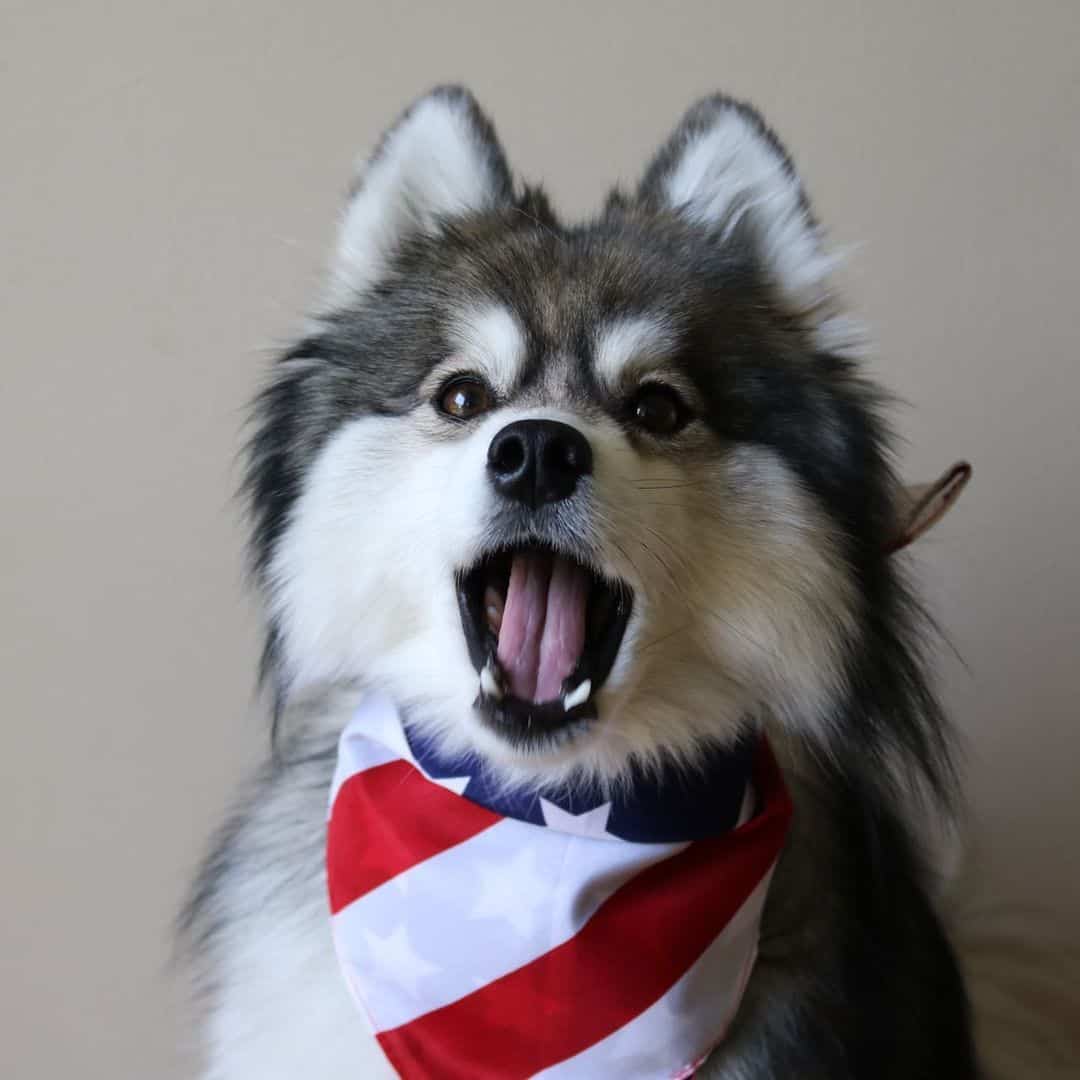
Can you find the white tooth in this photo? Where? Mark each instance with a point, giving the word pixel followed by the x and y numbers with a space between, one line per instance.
pixel 493 608
pixel 489 684
pixel 577 697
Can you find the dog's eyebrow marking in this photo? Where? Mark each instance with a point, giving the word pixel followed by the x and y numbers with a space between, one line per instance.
pixel 632 345
pixel 491 340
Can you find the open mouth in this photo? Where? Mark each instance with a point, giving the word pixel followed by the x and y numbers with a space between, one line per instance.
pixel 543 631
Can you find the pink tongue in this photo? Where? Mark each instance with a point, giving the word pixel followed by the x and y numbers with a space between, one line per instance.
pixel 543 625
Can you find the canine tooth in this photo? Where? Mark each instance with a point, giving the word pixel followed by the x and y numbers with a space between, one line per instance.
pixel 489 684
pixel 578 697
pixel 493 608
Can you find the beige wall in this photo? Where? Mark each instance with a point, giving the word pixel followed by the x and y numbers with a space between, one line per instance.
pixel 170 174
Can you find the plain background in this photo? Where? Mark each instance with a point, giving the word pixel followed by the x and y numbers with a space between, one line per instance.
pixel 170 179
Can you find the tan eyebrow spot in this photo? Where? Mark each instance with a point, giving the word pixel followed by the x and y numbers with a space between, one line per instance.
pixel 631 345
pixel 491 341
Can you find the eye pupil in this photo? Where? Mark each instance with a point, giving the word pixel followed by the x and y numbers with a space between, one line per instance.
pixel 464 398
pixel 659 410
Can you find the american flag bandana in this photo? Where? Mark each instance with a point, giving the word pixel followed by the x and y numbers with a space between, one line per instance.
pixel 489 935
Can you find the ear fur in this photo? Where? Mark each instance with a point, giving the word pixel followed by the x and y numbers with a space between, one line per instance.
pixel 724 169
pixel 439 161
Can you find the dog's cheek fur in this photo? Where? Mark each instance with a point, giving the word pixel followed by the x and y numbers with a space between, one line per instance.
pixel 781 600
pixel 362 581
pixel 743 605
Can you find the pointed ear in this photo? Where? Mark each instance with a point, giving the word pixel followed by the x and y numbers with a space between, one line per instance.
pixel 441 160
pixel 725 170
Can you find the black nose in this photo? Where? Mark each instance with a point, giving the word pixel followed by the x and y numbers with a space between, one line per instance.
pixel 538 461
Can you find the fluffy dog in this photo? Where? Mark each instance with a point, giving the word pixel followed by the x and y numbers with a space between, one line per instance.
pixel 651 429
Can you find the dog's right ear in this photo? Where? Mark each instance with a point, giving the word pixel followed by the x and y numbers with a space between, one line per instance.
pixel 441 160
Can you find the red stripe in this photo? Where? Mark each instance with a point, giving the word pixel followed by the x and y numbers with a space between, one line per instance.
pixel 549 1010
pixel 387 819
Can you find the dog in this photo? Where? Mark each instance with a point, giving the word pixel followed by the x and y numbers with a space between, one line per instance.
pixel 652 428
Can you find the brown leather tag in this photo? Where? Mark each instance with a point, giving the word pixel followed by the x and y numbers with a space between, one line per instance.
pixel 922 506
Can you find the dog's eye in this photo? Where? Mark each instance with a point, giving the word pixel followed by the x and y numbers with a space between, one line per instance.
pixel 464 398
pixel 659 410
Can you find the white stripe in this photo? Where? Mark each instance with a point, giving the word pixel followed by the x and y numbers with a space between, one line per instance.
pixel 478 911
pixel 372 737
pixel 693 1015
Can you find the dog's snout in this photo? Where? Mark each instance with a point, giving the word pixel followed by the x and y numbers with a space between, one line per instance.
pixel 538 461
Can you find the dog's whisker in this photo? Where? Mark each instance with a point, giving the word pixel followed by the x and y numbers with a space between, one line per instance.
pixel 644 648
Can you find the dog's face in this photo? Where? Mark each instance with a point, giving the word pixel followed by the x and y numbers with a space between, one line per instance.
pixel 573 496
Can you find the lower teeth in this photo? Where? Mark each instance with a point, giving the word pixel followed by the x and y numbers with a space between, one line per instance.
pixel 579 696
pixel 491 686
pixel 489 683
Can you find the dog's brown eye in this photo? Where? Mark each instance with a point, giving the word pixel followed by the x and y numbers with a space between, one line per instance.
pixel 659 410
pixel 465 398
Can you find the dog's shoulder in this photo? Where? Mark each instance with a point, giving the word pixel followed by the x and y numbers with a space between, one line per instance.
pixel 256 932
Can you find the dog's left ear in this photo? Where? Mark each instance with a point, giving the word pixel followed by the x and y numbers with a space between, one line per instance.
pixel 724 170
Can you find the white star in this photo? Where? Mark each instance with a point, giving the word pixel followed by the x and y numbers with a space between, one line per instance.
pixel 456 784
pixel 590 823
pixel 394 955
pixel 513 891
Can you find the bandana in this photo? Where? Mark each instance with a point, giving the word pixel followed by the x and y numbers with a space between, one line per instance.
pixel 491 935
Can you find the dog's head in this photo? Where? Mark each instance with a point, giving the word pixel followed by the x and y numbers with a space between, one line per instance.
pixel 577 495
